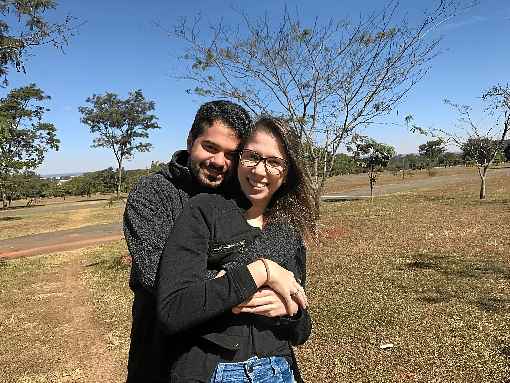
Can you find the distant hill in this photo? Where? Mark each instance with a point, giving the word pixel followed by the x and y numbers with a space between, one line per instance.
pixel 61 175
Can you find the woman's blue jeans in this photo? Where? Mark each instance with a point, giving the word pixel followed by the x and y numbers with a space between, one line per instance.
pixel 274 369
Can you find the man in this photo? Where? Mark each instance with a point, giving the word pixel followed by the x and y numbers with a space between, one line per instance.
pixel 152 207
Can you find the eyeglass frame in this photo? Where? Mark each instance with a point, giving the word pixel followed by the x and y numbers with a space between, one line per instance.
pixel 264 159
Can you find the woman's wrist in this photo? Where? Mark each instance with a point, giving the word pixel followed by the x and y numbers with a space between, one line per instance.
pixel 268 273
pixel 259 272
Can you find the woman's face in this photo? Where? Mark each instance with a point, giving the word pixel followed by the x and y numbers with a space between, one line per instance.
pixel 259 181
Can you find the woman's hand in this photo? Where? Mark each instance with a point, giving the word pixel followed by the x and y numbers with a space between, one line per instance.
pixel 281 280
pixel 265 302
pixel 284 283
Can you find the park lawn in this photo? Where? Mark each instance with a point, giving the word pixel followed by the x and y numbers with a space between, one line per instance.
pixel 346 183
pixel 36 222
pixel 426 272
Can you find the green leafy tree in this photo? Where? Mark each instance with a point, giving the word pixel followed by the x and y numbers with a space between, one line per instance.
pixel 344 164
pixel 327 78
pixel 23 27
pixel 120 125
pixel 102 181
pixel 483 147
pixel 432 150
pixel 451 159
pixel 507 151
pixel 28 185
pixel 79 185
pixel 24 136
pixel 482 152
pixel 372 156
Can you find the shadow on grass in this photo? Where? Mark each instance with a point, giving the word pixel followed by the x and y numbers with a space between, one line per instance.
pixel 436 297
pixel 505 350
pixel 21 207
pixel 494 305
pixel 465 200
pixel 10 219
pixel 458 267
pixel 453 270
pixel 98 199
pixel 119 262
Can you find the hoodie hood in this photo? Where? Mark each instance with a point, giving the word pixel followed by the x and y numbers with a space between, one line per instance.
pixel 178 172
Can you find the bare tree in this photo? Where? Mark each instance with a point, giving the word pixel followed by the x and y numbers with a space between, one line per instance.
pixel 480 146
pixel 327 79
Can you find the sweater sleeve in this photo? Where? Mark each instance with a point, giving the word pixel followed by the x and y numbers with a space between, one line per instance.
pixel 299 327
pixel 185 298
pixel 147 223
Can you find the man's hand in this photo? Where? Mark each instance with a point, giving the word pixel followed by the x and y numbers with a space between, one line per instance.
pixel 265 302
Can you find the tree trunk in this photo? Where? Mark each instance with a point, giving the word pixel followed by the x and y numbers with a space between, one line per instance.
pixel 119 179
pixel 483 174
pixel 483 193
pixel 371 177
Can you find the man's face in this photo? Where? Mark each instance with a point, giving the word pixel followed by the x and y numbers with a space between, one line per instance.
pixel 212 153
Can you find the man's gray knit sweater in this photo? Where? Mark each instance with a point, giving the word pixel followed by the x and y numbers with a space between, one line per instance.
pixel 153 205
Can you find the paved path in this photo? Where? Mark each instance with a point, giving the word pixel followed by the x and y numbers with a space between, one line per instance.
pixel 41 209
pixel 59 241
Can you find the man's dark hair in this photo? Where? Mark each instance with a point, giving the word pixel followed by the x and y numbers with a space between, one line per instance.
pixel 232 115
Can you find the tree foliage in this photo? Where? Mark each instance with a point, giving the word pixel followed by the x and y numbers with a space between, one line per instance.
pixel 120 125
pixel 23 26
pixel 480 150
pixel 373 156
pixel 432 150
pixel 24 136
pixel 328 79
pixel 507 151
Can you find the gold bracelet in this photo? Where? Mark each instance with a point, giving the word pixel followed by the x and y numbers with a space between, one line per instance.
pixel 266 266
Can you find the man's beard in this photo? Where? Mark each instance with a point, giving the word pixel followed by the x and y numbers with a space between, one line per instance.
pixel 208 176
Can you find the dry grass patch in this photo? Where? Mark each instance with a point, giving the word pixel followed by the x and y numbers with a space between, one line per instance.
pixel 428 273
pixel 50 330
pixel 47 222
pixel 457 176
pixel 106 275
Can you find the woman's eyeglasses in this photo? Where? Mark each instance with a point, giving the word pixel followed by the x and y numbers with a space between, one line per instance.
pixel 273 165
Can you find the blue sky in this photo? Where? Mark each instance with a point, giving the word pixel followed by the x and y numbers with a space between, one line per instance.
pixel 119 48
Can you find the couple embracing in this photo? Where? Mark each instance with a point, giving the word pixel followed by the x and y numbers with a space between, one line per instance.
pixel 219 258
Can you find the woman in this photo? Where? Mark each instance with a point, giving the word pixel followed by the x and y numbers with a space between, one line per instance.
pixel 252 241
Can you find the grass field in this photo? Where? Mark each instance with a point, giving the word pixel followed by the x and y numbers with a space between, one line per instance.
pixel 346 183
pixel 38 220
pixel 413 287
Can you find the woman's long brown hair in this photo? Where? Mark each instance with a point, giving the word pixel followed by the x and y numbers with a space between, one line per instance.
pixel 293 202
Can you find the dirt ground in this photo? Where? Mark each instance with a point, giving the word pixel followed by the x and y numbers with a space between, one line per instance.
pixel 53 316
pixel 51 324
